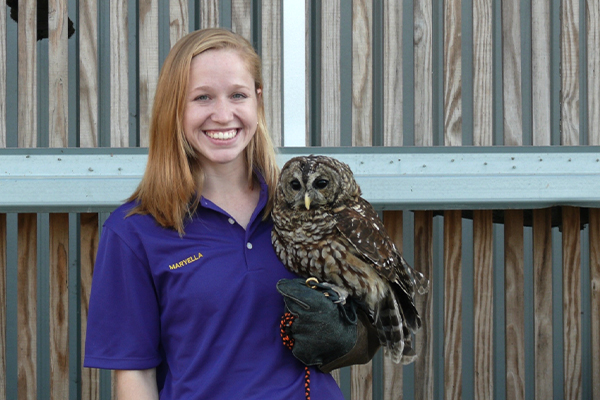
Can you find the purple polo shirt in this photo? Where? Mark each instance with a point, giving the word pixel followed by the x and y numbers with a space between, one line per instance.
pixel 203 308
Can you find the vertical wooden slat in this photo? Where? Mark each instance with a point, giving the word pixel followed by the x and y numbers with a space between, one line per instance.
pixel 483 304
pixel 362 118
pixel 149 68
pixel 88 67
pixel 483 294
pixel 209 13
pixel 58 52
pixel 3 301
pixel 511 73
pixel 593 87
pixel 330 73
pixel 570 218
pixel 570 72
pixel 27 74
pixel 392 74
pixel 452 304
pixel 542 273
pixel 392 373
pixel 178 21
pixel 423 341
pixel 540 60
pixel 515 314
pixel 88 74
pixel 241 18
pixel 392 136
pixel 513 233
pixel 483 297
pixel 271 61
pixel 90 377
pixel 2 78
pixel 362 72
pixel 423 224
pixel 59 306
pixel 482 73
pixel 595 297
pixel 423 17
pixel 27 303
pixel 571 251
pixel 452 74
pixel 361 383
pixel 593 72
pixel 452 219
pixel 119 75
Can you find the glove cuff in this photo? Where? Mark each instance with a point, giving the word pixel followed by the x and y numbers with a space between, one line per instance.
pixel 367 344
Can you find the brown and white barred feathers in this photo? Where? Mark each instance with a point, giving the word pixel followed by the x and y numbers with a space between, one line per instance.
pixel 323 228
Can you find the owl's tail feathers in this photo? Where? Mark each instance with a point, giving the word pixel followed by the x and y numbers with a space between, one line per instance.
pixel 397 320
pixel 406 303
pixel 393 331
pixel 390 330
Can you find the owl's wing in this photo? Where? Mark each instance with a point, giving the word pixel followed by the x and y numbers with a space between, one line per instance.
pixel 361 226
pixel 363 229
pixel 369 240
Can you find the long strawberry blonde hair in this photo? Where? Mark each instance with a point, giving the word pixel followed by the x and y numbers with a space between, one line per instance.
pixel 172 183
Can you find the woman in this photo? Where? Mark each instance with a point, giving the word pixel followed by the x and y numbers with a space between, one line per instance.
pixel 183 303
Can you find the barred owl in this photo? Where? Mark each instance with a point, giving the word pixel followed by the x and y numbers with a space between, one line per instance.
pixel 323 228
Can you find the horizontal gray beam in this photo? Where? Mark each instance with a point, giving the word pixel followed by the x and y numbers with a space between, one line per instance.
pixel 86 180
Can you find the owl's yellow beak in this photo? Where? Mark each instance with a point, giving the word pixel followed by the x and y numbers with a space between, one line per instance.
pixel 307 201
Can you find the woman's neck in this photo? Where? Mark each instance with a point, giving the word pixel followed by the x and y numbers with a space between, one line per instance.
pixel 229 189
pixel 224 181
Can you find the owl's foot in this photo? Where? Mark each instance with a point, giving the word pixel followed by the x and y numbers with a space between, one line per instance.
pixel 325 287
pixel 340 291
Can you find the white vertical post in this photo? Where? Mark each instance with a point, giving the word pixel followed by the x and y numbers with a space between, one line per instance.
pixel 294 74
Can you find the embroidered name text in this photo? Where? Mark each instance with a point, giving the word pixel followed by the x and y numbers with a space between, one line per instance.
pixel 185 262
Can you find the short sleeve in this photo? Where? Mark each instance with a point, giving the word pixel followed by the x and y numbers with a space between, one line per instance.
pixel 123 330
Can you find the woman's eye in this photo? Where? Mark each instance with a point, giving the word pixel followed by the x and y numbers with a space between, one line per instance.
pixel 239 96
pixel 202 97
pixel 295 185
pixel 321 184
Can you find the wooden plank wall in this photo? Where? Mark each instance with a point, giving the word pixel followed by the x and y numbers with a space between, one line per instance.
pixel 514 306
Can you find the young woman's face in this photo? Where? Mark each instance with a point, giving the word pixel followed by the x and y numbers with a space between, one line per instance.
pixel 220 116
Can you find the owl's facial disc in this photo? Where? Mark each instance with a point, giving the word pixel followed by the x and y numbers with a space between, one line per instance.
pixel 307 184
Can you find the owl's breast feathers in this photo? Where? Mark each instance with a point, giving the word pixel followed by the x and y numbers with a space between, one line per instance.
pixel 294 235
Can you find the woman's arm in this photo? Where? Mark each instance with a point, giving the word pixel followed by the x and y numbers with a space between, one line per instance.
pixel 136 384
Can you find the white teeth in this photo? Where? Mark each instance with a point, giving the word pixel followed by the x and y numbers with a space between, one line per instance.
pixel 222 135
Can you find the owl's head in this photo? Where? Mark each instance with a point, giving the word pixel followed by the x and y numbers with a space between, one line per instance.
pixel 310 182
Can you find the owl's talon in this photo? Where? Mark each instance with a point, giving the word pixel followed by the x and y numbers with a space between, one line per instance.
pixel 340 291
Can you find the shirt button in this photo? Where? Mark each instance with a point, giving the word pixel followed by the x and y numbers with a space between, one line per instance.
pixel 249 245
pixel 231 221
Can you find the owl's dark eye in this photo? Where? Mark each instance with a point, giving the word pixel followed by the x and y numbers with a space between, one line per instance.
pixel 320 183
pixel 295 184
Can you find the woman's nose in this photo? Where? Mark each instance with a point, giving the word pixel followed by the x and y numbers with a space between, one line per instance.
pixel 222 111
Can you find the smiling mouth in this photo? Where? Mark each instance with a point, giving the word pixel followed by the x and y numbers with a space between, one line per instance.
pixel 221 135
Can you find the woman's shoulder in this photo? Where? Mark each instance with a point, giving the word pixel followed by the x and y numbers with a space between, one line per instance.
pixel 125 219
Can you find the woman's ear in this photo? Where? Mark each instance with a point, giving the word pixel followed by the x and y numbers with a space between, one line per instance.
pixel 258 92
